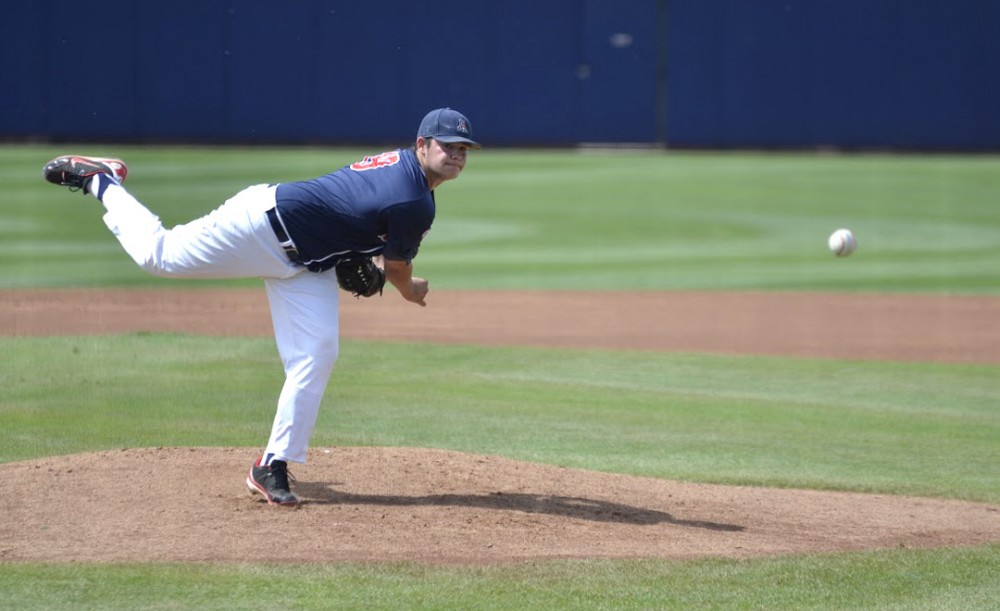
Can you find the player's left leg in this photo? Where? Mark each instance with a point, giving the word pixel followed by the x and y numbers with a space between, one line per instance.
pixel 305 314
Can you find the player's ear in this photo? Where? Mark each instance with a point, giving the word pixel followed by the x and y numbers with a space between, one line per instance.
pixel 419 146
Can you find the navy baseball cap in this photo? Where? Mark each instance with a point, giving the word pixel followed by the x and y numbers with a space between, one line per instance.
pixel 447 125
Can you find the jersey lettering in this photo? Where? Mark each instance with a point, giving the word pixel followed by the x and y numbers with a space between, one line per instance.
pixel 378 161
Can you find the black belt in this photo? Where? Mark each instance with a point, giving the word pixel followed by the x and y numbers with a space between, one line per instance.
pixel 282 235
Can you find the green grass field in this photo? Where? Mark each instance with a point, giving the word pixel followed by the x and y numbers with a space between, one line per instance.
pixel 566 220
pixel 571 220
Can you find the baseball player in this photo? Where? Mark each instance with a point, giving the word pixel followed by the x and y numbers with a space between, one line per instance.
pixel 306 240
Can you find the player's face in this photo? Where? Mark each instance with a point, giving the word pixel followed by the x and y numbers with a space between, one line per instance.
pixel 444 160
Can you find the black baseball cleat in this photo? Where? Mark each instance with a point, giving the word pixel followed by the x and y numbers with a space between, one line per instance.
pixel 272 482
pixel 75 171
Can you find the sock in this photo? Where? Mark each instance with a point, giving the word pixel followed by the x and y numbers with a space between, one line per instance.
pixel 98 183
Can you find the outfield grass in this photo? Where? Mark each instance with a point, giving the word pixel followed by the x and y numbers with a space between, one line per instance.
pixel 943 580
pixel 879 427
pixel 566 220
pixel 576 220
pixel 902 428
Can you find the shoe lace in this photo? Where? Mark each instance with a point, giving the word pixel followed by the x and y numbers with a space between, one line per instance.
pixel 281 474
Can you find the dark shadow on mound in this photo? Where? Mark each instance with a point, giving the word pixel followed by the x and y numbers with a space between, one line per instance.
pixel 563 506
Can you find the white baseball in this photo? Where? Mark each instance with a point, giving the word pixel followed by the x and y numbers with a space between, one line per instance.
pixel 842 242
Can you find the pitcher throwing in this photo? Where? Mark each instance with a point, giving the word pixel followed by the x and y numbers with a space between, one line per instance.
pixel 305 240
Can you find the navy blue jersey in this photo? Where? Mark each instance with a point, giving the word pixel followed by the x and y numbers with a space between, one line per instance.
pixel 379 205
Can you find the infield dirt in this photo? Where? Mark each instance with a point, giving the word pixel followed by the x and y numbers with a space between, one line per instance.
pixel 390 504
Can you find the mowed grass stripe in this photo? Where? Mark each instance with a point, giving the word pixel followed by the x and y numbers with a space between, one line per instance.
pixel 905 428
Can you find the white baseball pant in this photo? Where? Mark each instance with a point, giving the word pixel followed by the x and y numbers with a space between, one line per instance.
pixel 236 241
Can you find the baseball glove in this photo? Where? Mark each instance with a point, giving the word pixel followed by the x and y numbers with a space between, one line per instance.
pixel 360 275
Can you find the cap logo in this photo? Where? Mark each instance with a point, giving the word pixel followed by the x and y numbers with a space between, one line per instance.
pixel 462 126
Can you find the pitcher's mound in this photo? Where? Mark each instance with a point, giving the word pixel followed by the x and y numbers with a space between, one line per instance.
pixel 400 504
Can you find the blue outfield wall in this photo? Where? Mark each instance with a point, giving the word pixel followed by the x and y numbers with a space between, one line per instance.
pixel 849 73
pixel 684 73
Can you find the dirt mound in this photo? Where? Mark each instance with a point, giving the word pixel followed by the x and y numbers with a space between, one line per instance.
pixel 393 504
